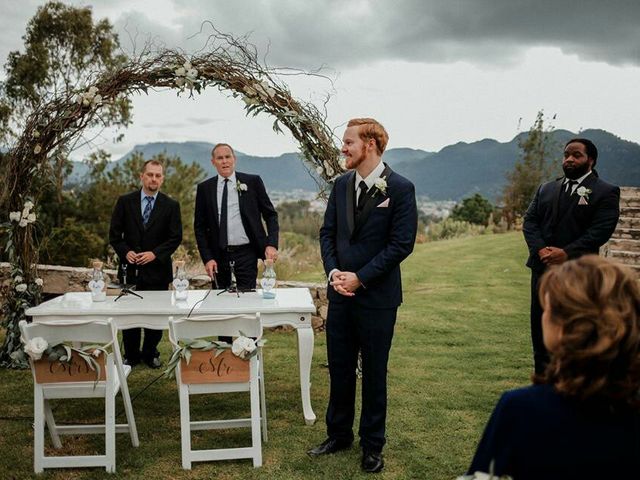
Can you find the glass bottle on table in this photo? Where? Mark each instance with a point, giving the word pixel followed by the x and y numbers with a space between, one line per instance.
pixel 268 280
pixel 97 284
pixel 180 281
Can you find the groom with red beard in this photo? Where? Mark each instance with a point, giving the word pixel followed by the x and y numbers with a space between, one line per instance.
pixel 369 228
pixel 569 217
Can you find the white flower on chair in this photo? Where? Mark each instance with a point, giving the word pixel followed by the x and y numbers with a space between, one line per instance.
pixel 243 347
pixel 36 347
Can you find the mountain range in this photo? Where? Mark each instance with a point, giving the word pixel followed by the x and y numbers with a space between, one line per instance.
pixel 455 172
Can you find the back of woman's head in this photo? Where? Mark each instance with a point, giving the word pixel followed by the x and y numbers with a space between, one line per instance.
pixel 596 304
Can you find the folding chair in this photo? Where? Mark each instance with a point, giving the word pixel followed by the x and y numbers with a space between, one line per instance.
pixel 207 373
pixel 56 380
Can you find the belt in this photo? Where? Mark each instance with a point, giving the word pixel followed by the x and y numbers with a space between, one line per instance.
pixel 236 248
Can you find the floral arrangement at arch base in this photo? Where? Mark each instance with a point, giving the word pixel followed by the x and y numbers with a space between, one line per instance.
pixel 242 347
pixel 226 63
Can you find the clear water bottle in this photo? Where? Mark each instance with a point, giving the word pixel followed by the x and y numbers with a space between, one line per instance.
pixel 97 284
pixel 268 281
pixel 180 281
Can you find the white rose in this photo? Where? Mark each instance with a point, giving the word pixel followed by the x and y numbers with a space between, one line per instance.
pixel 187 65
pixel 92 91
pixel 250 101
pixel 192 73
pixel 14 216
pixel 31 217
pixel 23 222
pixel 21 287
pixel 37 149
pixel 180 72
pixel 97 100
pixel 17 279
pixel 36 347
pixel 582 191
pixel 39 282
pixel 243 187
pixel 28 204
pixel 243 346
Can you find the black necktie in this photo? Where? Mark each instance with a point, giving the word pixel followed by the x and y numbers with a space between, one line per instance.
pixel 224 239
pixel 569 189
pixel 363 195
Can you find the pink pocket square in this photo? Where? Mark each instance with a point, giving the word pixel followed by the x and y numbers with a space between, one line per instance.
pixel 384 204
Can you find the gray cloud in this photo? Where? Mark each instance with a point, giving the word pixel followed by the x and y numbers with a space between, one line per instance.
pixel 343 34
pixel 481 31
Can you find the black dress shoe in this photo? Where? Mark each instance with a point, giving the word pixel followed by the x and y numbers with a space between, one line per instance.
pixel 153 363
pixel 131 363
pixel 330 445
pixel 372 462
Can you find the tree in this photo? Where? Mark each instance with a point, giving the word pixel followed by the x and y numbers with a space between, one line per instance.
pixel 533 168
pixel 476 209
pixel 64 51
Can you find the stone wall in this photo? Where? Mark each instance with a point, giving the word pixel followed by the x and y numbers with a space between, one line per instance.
pixel 59 280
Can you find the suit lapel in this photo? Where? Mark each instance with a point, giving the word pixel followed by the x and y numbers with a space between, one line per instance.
pixel 137 210
pixel 370 202
pixel 351 206
pixel 556 200
pixel 214 198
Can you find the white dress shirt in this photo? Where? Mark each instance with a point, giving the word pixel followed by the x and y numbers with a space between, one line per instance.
pixel 236 233
pixel 370 180
pixel 575 185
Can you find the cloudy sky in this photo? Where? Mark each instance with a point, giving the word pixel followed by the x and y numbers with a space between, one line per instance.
pixel 434 72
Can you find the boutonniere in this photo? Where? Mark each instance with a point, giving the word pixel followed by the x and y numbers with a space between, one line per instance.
pixel 241 187
pixel 583 193
pixel 381 185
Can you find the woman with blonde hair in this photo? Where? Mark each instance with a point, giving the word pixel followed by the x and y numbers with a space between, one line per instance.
pixel 581 418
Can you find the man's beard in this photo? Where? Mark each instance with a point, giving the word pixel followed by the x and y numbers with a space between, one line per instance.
pixel 355 161
pixel 574 172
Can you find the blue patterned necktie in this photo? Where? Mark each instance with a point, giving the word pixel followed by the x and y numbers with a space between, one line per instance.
pixel 147 209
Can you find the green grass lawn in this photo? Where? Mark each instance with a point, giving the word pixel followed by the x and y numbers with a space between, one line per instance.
pixel 461 339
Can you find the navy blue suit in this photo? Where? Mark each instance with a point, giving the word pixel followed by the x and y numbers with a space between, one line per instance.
pixel 535 433
pixel 578 229
pixel 255 206
pixel 371 244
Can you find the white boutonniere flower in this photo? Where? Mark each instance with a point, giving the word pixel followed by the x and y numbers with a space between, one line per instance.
pixel 243 347
pixel 241 187
pixel 381 185
pixel 583 193
pixel 36 347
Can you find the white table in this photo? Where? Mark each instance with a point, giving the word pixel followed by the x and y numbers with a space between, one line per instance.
pixel 292 306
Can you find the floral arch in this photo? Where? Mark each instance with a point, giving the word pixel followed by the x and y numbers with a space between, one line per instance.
pixel 229 64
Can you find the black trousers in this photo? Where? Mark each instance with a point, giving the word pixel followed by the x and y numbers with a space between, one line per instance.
pixel 245 267
pixel 352 328
pixel 131 337
pixel 540 353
